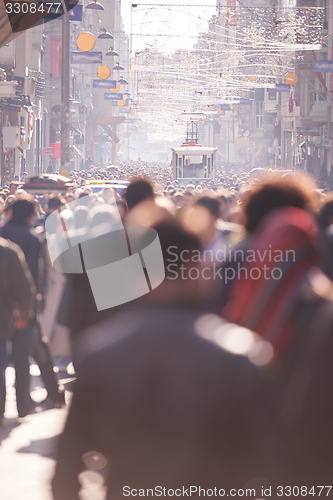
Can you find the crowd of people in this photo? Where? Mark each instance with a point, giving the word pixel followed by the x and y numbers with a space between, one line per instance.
pixel 220 376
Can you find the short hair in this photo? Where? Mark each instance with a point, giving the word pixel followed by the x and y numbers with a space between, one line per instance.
pixel 23 209
pixel 326 212
pixel 173 235
pixel 210 203
pixel 273 193
pixel 137 191
pixel 55 202
pixel 81 216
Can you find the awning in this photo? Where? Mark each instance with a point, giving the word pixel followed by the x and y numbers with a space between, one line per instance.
pixel 12 25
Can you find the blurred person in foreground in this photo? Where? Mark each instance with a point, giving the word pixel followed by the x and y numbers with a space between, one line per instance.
pixel 282 263
pixel 264 197
pixel 325 220
pixel 284 297
pixel 162 400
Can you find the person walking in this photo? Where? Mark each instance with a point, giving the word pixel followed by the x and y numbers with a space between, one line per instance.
pixel 17 297
pixel 28 341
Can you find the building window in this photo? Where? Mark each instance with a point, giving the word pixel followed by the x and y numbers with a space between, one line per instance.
pixel 272 96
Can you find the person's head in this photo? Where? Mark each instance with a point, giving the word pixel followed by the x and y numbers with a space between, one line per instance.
pixel 325 216
pixel 81 216
pixel 69 197
pixel 109 195
pixel 137 191
pixel 211 204
pixel 23 211
pixel 53 204
pixel 13 187
pixel 272 193
pixel 9 204
pixel 183 283
pixel 187 199
pixel 222 200
pixel 190 187
pixel 102 213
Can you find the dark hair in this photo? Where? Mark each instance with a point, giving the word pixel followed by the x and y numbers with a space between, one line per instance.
pixel 173 235
pixel 270 194
pixel 210 203
pixel 54 203
pixel 23 209
pixel 81 215
pixel 137 191
pixel 326 213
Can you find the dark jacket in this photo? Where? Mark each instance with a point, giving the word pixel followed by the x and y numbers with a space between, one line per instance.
pixel 164 406
pixel 30 243
pixel 17 291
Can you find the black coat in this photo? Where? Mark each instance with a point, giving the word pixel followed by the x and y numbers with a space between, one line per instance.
pixel 30 243
pixel 165 407
pixel 17 292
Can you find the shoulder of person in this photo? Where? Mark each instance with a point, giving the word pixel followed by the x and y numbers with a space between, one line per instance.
pixel 40 232
pixel 9 248
pixel 37 234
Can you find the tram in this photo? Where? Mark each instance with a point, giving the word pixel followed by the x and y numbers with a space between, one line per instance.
pixel 192 162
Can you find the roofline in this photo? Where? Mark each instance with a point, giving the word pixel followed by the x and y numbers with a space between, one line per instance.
pixel 196 149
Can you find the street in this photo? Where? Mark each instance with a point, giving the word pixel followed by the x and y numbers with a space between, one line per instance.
pixel 28 446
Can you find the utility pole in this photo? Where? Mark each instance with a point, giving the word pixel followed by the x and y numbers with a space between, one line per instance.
pixel 65 93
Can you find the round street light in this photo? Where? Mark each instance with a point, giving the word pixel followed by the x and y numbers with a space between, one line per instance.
pixel 112 52
pixel 85 42
pixel 105 35
pixel 103 72
pixel 117 67
pixel 95 6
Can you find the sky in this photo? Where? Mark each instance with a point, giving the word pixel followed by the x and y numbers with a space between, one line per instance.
pixel 164 25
